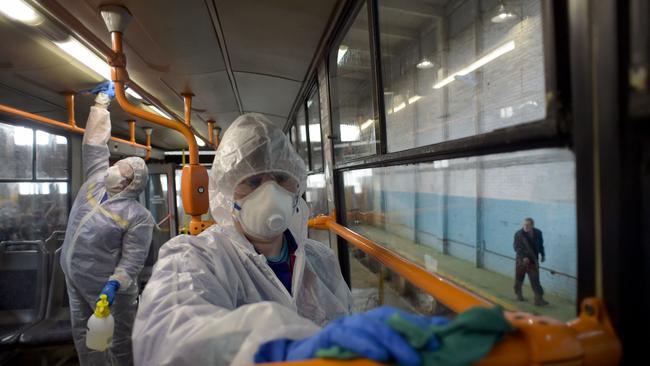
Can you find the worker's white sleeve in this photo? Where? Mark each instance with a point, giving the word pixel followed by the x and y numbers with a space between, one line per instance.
pixel 95 152
pixel 98 127
pixel 135 247
pixel 188 312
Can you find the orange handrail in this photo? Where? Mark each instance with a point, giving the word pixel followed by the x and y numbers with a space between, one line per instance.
pixel 119 76
pixel 453 296
pixel 70 126
pixel 588 340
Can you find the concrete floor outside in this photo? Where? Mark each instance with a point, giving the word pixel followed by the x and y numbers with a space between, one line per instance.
pixel 492 286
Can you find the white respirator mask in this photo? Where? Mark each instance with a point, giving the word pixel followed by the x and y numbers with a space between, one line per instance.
pixel 266 212
pixel 114 180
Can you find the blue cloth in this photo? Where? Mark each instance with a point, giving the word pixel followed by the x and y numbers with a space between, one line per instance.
pixel 367 334
pixel 284 253
pixel 110 288
pixel 106 87
pixel 283 269
pixel 104 198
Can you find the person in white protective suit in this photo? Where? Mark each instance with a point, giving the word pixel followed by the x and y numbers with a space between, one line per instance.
pixel 106 241
pixel 254 276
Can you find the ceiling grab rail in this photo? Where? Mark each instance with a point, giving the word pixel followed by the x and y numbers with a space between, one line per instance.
pixel 590 339
pixel 71 124
pixel 194 181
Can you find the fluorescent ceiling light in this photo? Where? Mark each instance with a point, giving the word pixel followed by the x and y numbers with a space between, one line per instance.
pixel 350 133
pixel 399 107
pixel 367 124
pixel 82 54
pixel 314 132
pixel 503 15
pixel 132 93
pixel 199 141
pixel 309 103
pixel 502 50
pixel 414 99
pixel 19 10
pixel 343 49
pixel 159 112
pixel 424 64
pixel 179 153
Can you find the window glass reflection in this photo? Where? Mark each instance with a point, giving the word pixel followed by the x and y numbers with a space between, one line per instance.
pixel 460 69
pixel 353 110
pixel 32 211
pixel 459 218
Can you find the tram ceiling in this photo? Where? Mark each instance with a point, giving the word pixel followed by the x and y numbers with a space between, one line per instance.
pixel 235 56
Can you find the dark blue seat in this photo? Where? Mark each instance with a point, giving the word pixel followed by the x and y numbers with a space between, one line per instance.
pixel 23 287
pixel 55 328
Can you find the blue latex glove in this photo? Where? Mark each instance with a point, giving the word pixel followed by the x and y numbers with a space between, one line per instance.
pixel 106 87
pixel 365 334
pixel 110 288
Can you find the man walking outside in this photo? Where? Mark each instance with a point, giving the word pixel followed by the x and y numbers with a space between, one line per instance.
pixel 529 245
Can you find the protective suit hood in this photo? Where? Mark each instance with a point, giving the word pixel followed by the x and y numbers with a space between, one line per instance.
pixel 251 145
pixel 140 176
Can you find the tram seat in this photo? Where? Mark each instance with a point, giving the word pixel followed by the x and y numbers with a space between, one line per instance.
pixel 23 287
pixel 55 328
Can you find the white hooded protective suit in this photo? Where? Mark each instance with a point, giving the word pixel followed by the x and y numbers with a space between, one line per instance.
pixel 105 240
pixel 212 300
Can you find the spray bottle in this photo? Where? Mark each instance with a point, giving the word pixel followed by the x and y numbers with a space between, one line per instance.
pixel 100 326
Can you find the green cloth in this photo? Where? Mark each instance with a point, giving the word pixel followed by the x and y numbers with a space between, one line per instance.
pixel 466 339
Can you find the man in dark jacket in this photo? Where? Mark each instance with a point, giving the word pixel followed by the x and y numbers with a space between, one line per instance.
pixel 529 245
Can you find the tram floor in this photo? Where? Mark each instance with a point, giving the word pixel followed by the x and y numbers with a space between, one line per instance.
pixel 493 286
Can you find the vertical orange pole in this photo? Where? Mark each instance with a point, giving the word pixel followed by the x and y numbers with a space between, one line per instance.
pixel 147 131
pixel 211 131
pixel 187 98
pixel 69 101
pixel 132 129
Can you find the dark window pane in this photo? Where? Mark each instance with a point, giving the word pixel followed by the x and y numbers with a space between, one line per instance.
pixel 459 217
pixel 456 70
pixel 16 152
pixel 313 115
pixel 51 156
pixel 32 211
pixel 353 110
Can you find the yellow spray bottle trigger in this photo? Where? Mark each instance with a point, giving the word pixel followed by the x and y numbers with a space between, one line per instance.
pixel 102 310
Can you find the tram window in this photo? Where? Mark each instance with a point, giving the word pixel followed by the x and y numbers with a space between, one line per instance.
pixel 460 70
pixel 316 197
pixel 458 218
pixel 51 156
pixel 353 109
pixel 639 58
pixel 16 152
pixel 313 119
pixel 301 137
pixel 32 210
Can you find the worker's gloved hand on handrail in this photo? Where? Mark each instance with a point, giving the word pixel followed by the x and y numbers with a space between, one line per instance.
pixel 110 289
pixel 105 93
pixel 371 335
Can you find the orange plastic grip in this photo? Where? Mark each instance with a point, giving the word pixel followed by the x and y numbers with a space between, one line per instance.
pixel 194 190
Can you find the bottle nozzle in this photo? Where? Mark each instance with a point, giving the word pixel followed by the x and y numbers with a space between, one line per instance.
pixel 102 310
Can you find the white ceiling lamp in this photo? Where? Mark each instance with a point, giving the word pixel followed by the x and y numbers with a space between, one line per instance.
pixel 503 15
pixel 85 56
pixel 343 49
pixel 159 112
pixel 199 141
pixel 19 10
pixel 132 93
pixel 424 64
pixel 367 124
pixel 399 107
pixel 414 99
pixel 502 50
